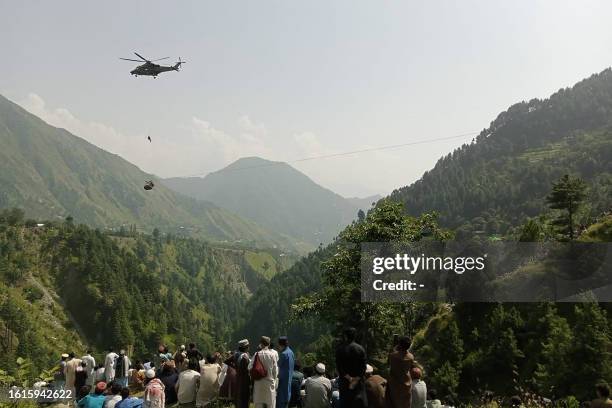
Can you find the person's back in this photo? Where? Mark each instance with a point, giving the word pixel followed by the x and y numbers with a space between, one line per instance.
pixel 352 359
pixel 187 385
pixel 92 401
pixel 209 382
pixel 318 392
pixel 296 386
pixel 169 379
pixel 398 393
pixel 114 397
pixel 418 394
pixel 127 401
pixel 375 389
pixel 154 395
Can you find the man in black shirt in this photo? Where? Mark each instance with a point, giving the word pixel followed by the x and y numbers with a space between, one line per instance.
pixel 351 365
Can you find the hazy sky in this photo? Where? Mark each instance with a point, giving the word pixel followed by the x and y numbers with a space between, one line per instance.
pixel 291 79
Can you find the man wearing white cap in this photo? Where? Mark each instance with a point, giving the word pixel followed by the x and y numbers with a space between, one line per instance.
pixel 154 395
pixel 318 389
pixel 59 379
pixel 264 388
pixel 375 388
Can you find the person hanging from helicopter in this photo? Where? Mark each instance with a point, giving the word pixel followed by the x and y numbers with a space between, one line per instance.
pixel 149 139
pixel 149 185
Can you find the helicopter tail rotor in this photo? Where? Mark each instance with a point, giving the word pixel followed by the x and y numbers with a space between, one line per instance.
pixel 178 64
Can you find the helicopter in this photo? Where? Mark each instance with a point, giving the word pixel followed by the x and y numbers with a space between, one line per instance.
pixel 151 69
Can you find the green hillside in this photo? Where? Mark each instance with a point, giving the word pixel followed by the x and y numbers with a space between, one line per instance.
pixel 121 289
pixel 490 186
pixel 276 196
pixel 502 177
pixel 52 174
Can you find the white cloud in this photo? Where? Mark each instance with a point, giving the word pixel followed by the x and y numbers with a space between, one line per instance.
pixel 99 134
pixel 199 147
pixel 309 144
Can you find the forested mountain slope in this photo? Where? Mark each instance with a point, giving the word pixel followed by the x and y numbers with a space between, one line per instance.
pixel 276 196
pixel 502 177
pixel 122 289
pixel 489 186
pixel 52 174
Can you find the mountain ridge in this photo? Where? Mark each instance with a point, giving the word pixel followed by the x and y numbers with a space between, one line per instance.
pixel 52 174
pixel 275 195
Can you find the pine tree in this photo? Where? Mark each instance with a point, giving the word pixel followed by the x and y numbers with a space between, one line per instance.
pixel 567 195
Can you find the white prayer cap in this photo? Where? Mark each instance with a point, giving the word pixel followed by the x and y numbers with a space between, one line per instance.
pixel 182 347
pixel 150 373
pixel 320 368
pixel 243 343
pixel 369 369
pixel 65 355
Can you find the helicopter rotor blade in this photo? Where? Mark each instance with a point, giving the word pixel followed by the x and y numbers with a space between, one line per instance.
pixel 159 59
pixel 141 57
pixel 128 59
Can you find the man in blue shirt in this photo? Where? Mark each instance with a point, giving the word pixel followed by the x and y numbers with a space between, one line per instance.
pixel 95 400
pixel 286 362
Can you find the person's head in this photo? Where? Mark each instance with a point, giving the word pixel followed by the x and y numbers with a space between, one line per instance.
pixel 283 342
pixel 403 343
pixel 122 352
pixel 83 391
pixel 100 388
pixel 297 366
pixel 64 357
pixel 243 345
pixel 161 349
pixel 308 371
pixel 71 355
pixel 320 369
pixel 115 388
pixel 192 346
pixel 432 394
pixel 515 401
pixel 212 358
pixel 350 334
pixel 88 351
pixel 603 390
pixel 264 342
pixel 83 364
pixel 125 392
pixel 193 365
pixel 150 374
pixel 169 367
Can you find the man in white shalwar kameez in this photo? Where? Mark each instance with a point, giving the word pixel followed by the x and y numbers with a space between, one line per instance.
pixel 90 369
pixel 109 365
pixel 264 390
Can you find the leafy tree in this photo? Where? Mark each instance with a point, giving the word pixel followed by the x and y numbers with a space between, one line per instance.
pixel 339 301
pixel 567 195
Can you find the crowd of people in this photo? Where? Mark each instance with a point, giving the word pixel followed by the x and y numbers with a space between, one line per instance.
pixel 271 377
